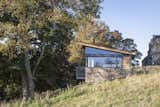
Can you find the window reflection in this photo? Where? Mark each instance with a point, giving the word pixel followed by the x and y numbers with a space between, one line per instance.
pixel 102 58
pixel 105 62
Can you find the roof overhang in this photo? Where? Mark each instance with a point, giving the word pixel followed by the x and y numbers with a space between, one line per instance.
pixel 107 49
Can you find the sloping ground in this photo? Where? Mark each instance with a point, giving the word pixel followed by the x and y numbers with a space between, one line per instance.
pixel 135 91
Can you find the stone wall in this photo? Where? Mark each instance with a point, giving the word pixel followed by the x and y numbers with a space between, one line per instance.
pixel 145 69
pixel 93 75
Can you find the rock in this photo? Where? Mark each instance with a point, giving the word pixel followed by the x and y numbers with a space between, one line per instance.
pixel 153 57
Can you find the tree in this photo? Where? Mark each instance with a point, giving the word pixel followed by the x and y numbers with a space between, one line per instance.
pixel 29 27
pixel 114 38
pixel 90 30
pixel 129 45
pixel 34 29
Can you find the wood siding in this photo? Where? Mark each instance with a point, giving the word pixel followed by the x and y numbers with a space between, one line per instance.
pixel 126 63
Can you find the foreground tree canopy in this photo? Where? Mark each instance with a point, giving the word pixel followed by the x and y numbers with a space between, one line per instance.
pixel 35 34
pixel 38 41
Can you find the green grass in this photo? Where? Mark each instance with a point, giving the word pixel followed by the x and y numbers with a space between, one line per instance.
pixel 135 91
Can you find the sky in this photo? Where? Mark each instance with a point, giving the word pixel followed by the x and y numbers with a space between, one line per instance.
pixel 136 19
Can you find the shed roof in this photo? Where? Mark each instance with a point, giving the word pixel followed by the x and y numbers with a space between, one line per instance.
pixel 107 48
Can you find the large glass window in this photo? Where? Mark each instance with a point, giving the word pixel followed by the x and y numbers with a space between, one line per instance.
pixel 105 62
pixel 102 58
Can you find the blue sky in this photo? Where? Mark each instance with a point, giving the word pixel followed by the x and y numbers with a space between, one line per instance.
pixel 137 19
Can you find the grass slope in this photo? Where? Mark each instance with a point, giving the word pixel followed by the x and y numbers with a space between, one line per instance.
pixel 135 91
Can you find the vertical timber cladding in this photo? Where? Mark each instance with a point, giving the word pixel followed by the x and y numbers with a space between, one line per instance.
pixel 126 62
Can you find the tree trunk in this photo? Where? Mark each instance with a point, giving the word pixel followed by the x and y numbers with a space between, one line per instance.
pixel 27 75
pixel 25 85
pixel 28 83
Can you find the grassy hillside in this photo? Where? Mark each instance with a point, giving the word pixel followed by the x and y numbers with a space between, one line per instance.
pixel 135 91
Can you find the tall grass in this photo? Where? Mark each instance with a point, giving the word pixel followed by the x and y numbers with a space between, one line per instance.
pixel 135 91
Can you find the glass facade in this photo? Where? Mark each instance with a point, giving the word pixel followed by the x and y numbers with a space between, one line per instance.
pixel 102 58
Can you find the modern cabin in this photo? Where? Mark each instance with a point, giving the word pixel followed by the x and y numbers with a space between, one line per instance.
pixel 103 58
